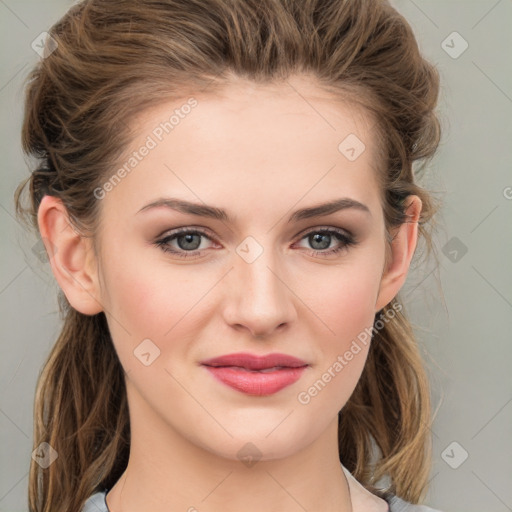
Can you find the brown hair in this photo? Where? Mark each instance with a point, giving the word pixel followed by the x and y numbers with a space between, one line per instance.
pixel 125 56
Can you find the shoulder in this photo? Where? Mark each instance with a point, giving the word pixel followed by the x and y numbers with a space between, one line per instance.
pixel 362 499
pixel 96 503
pixel 397 504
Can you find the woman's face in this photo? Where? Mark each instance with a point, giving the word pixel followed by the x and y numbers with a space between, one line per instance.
pixel 250 281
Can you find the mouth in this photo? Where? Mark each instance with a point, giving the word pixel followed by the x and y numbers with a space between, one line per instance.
pixel 256 375
pixel 263 370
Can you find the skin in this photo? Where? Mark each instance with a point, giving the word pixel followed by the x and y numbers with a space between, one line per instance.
pixel 260 152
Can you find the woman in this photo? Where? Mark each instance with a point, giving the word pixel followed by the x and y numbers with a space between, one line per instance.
pixel 226 195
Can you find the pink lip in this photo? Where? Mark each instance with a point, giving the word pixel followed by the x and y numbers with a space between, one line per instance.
pixel 242 371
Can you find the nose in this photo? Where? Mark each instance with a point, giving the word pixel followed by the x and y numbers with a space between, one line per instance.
pixel 260 296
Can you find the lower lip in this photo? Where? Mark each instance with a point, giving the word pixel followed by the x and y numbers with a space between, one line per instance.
pixel 256 383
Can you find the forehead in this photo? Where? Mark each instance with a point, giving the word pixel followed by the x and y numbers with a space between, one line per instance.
pixel 246 143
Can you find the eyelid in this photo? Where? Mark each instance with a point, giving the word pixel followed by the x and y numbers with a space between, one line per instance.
pixel 315 229
pixel 186 229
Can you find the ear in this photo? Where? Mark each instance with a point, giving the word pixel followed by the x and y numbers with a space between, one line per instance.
pixel 402 250
pixel 71 256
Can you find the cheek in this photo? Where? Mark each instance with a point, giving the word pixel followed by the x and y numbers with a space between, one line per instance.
pixel 346 301
pixel 153 301
pixel 346 306
pixel 342 353
pixel 135 301
pixel 145 294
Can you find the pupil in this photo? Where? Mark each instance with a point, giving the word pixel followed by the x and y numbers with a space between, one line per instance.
pixel 318 237
pixel 189 240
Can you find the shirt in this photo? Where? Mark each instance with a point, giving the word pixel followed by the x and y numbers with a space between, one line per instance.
pixel 362 500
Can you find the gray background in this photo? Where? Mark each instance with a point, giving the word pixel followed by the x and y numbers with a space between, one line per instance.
pixel 462 311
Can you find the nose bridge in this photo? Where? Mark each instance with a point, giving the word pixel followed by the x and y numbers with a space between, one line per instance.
pixel 260 297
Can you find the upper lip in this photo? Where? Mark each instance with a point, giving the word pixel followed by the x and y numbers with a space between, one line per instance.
pixel 255 362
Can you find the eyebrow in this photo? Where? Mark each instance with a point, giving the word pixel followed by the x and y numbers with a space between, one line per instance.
pixel 203 210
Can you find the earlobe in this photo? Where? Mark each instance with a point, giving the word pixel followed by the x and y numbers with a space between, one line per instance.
pixel 401 253
pixel 71 257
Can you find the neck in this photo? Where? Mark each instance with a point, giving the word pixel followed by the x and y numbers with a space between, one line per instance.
pixel 167 471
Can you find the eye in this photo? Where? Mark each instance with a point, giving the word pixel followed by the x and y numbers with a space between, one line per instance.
pixel 188 241
pixel 321 239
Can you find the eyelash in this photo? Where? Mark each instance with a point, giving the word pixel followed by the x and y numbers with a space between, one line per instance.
pixel 346 240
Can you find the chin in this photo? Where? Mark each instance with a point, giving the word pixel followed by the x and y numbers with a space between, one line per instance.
pixel 253 448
